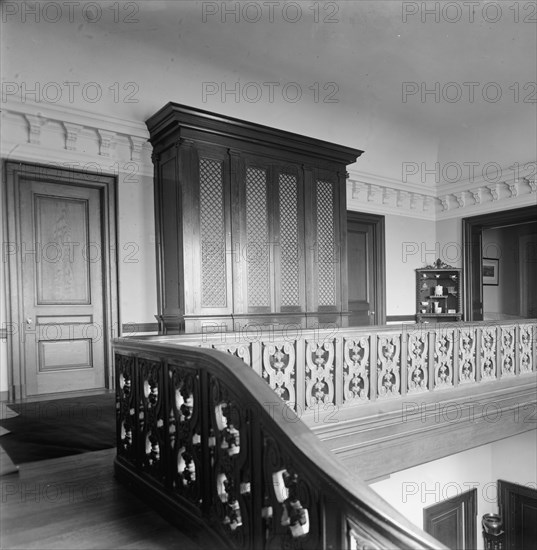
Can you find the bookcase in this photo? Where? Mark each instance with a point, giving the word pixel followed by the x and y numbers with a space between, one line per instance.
pixel 438 293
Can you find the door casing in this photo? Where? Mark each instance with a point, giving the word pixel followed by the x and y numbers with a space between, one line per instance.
pixel 107 187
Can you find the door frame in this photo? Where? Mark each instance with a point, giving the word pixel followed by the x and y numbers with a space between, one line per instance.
pixel 472 243
pixel 379 258
pixel 107 187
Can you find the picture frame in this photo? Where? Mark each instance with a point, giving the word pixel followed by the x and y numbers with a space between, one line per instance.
pixel 490 270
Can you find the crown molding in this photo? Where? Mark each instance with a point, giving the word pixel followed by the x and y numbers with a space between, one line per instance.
pixel 513 187
pixel 382 195
pixel 79 139
pixel 88 119
pixel 73 138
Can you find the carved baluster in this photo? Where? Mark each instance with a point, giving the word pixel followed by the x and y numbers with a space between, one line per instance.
pixel 151 417
pixel 388 365
pixel 418 362
pixel 279 364
pixel 319 372
pixel 230 465
pixel 125 407
pixel 488 353
pixel 443 373
pixel 508 351
pixel 356 370
pixel 184 432
pixel 290 515
pixel 526 348
pixel 467 359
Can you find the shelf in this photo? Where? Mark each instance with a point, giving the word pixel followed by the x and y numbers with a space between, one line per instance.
pixel 439 314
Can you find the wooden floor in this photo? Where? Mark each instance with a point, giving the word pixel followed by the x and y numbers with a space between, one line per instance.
pixel 75 502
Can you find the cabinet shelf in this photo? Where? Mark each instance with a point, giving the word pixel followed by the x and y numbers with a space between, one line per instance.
pixel 449 303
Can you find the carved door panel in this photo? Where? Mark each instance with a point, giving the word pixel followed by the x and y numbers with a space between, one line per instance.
pixel 62 287
pixel 453 521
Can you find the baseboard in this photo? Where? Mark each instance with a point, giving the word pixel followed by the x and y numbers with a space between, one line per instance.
pixel 400 318
pixel 131 329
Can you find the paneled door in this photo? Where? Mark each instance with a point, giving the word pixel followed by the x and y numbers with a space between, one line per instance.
pixel 60 280
pixel 453 521
pixel 62 284
pixel 366 269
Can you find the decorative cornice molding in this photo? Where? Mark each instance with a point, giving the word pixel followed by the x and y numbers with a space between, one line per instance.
pixel 449 201
pixel 75 139
pixel 72 131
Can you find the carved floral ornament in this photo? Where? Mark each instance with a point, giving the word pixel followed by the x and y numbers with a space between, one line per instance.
pixel 439 264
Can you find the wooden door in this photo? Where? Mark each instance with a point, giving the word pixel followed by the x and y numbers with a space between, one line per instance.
pixel 61 247
pixel 366 277
pixel 453 521
pixel 518 509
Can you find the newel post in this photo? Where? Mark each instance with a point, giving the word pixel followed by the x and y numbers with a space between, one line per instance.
pixel 493 533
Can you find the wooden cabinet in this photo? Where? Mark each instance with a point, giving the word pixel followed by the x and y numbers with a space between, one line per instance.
pixel 438 293
pixel 251 224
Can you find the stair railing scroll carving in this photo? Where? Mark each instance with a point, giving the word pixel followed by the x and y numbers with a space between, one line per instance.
pixel 319 372
pixel 443 371
pixel 279 363
pixel 508 351
pixel 356 369
pixel 527 337
pixel 467 355
pixel 389 365
pixel 488 353
pixel 418 354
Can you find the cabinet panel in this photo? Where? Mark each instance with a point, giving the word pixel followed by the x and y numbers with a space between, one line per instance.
pixel 170 238
pixel 213 234
pixel 326 244
pixel 258 241
pixel 250 221
pixel 291 295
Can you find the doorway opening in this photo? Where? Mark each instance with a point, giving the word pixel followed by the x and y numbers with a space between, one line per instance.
pixel 500 265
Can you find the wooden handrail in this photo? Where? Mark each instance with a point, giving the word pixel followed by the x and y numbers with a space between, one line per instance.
pixel 196 436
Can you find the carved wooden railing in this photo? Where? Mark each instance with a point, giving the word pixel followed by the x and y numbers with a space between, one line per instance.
pixel 338 368
pixel 195 437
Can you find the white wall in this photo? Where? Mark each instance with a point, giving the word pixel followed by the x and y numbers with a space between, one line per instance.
pixel 513 459
pixel 410 244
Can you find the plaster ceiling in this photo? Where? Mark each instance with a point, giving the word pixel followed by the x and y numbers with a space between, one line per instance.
pixel 369 51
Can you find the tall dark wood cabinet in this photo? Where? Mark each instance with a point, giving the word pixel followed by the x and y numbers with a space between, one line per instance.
pixel 251 224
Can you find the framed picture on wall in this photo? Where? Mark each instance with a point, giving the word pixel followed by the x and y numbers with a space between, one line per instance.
pixel 491 271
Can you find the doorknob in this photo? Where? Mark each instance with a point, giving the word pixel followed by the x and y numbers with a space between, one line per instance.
pixel 371 313
pixel 29 321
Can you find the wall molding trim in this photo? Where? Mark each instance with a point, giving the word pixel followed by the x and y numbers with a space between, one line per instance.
pixel 69 137
pixel 514 186
pixel 73 138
